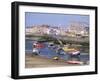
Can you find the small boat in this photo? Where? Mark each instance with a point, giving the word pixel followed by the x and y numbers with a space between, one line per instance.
pixel 66 49
pixel 71 51
pixel 56 58
pixel 38 45
pixel 35 51
pixel 74 53
pixel 75 62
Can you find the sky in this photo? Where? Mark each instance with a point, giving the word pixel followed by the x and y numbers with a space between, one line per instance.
pixel 33 18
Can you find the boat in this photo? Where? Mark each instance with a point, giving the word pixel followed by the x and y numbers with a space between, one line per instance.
pixel 38 45
pixel 66 49
pixel 35 51
pixel 75 62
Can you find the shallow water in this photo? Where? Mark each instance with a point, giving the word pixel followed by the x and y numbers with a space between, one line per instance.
pixel 50 53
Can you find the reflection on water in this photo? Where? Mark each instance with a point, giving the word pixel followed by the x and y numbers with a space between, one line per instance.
pixel 50 53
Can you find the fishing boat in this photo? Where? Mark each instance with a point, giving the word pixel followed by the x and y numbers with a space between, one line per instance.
pixel 35 51
pixel 36 47
pixel 75 62
pixel 66 49
pixel 72 51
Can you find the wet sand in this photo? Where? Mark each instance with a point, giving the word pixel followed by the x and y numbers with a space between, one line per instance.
pixel 34 61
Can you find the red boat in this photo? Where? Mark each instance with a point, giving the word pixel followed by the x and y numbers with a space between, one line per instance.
pixel 39 45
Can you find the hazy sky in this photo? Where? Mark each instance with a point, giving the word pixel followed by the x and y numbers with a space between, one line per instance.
pixel 32 18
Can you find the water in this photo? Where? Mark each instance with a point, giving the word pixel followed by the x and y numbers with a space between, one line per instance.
pixel 50 53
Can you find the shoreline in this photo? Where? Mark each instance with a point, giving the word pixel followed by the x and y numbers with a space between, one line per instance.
pixel 30 51
pixel 36 61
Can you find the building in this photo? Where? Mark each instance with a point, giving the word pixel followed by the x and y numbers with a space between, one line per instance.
pixel 37 29
pixel 77 29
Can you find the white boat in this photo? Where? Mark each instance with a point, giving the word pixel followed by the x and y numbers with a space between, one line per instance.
pixel 35 51
pixel 76 53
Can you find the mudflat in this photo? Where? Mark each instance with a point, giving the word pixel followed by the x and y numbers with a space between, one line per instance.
pixel 36 61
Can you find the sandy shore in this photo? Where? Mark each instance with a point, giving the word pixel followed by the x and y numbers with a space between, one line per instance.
pixel 34 61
